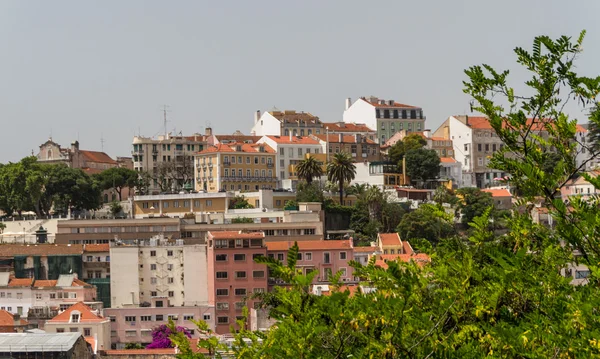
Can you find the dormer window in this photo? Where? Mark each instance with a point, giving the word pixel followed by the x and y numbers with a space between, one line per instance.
pixel 75 317
pixel 238 148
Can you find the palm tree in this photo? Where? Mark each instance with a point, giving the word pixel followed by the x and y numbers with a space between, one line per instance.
pixel 341 170
pixel 374 198
pixel 309 168
pixel 357 189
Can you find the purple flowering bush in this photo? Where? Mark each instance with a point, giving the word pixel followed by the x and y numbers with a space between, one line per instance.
pixel 160 336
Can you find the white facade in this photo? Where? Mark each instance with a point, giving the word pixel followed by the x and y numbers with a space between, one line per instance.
pixel 265 124
pixel 451 169
pixel 360 112
pixel 364 176
pixel 290 150
pixel 155 268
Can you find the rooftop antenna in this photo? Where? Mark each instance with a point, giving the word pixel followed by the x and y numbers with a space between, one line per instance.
pixel 165 118
pixel 102 142
pixel 50 133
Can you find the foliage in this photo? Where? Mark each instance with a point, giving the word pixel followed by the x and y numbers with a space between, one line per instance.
pixel 309 168
pixel 444 195
pixel 117 179
pixel 309 192
pixel 428 222
pixel 161 335
pixel 291 205
pixel 239 202
pixel 207 340
pixel 174 175
pixel 473 203
pixel 115 208
pixel 411 142
pixel 422 164
pixel 2 227
pixel 242 220
pixel 341 169
pixel 130 346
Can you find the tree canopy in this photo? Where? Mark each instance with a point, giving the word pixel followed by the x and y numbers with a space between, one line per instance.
pixel 341 169
pixel 422 165
pixel 309 168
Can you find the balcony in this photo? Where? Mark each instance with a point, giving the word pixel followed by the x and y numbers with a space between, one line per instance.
pixel 138 152
pixel 270 165
pixel 226 163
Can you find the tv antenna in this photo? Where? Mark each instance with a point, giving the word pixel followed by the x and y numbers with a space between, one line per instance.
pixel 102 142
pixel 165 110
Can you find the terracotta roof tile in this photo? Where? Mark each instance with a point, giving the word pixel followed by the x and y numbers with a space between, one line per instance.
pixel 365 249
pixel 310 245
pixel 497 192
pixel 421 259
pixel 85 314
pixel 303 140
pixel 236 235
pixel 238 138
pixel 480 122
pixel 290 116
pixel 395 104
pixel 44 283
pixel 11 250
pixel 447 160
pixel 390 239
pixel 345 139
pixel 99 157
pixel 96 248
pixel 6 319
pixel 20 282
pixel 347 127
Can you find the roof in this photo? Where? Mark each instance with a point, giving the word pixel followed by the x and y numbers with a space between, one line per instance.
pixel 20 282
pixel 421 259
pixel 6 319
pixel 291 116
pixel 447 160
pixel 365 249
pixel 96 248
pixel 34 342
pixel 390 239
pixel 413 190
pixel 64 280
pixel 303 140
pixel 347 127
pixel 236 235
pixel 394 104
pixel 345 139
pixel 237 138
pixel 11 250
pixel 85 314
pixel 44 283
pixel 94 156
pixel 243 147
pixel 483 123
pixel 145 352
pixel 497 192
pixel 310 245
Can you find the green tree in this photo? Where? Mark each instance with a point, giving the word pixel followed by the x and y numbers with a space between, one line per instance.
pixel 130 346
pixel 444 195
pixel 2 227
pixel 117 178
pixel 411 142
pixel 309 192
pixel 242 220
pixel 239 202
pixel 71 188
pixel 473 203
pixel 428 222
pixel 422 165
pixel 309 168
pixel 341 170
pixel 115 208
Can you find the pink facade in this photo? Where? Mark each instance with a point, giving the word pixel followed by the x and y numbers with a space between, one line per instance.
pixel 326 257
pixel 233 276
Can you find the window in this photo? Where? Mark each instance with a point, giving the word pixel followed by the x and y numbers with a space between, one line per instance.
pixel 171 280
pixel 239 305
pixel 222 320
pixel 145 318
pixel 308 256
pixel 580 274
pixel 154 294
pixel 240 291
pixel 240 275
pixel 87 332
pixel 152 266
pixel 188 317
pixel 60 330
pixel 258 274
pixel 153 280
pixel 74 330
pixel 89 258
pixel 38 296
pixel 342 255
pixel 169 267
pixel 206 317
pixel 221 275
pixel 344 272
pixel 130 318
pixel 222 306
pixel 131 333
pixel 327 273
pixel 169 253
pixel 326 258
pixel 20 295
pixel 171 293
pixel 239 257
pixel 221 257
pixel 222 292
pixel 479 147
pixel 299 256
pixel 208 203
pixel 159 317
pixel 280 256
pixel 152 253
pixel 480 161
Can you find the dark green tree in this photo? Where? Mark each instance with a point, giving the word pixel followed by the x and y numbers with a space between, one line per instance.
pixel 411 142
pixel 422 165
pixel 309 192
pixel 309 168
pixel 341 170
pixel 117 178
pixel 239 202
pixel 429 222
pixel 473 202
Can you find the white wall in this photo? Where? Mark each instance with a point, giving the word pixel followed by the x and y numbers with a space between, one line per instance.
pixel 266 125
pixel 363 176
pixel 124 279
pixel 361 112
pixel 196 281
pixel 11 304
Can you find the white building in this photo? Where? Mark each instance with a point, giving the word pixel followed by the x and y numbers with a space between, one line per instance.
pixel 385 116
pixel 451 169
pixel 284 123
pixel 290 150
pixel 156 268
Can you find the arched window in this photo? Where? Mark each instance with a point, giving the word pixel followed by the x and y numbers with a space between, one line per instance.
pixel 49 154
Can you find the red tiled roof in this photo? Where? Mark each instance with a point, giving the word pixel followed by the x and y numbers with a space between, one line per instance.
pixel 480 122
pixel 365 249
pixel 44 283
pixel 421 259
pixel 96 248
pixel 6 319
pixel 85 314
pixel 244 147
pixel 390 239
pixel 238 138
pixel 79 283
pixel 447 160
pixel 91 171
pixel 11 250
pixel 236 235
pixel 439 139
pixel 347 127
pixel 303 140
pixel 310 245
pixel 99 157
pixel 20 282
pixel 395 104
pixel 345 139
pixel 498 192
pixel 91 341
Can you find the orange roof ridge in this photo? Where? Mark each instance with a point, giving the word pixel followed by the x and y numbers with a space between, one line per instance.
pixel 85 314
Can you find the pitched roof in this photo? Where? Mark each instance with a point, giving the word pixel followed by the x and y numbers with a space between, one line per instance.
pixel 236 235
pixel 11 250
pixel 144 352
pixel 347 127
pixel 6 319
pixel 365 249
pixel 497 192
pixel 20 282
pixel 332 138
pixel 483 123
pixel 447 160
pixel 394 104
pixel 303 140
pixel 34 342
pixel 421 259
pixel 85 314
pixel 237 138
pixel 44 283
pixel 390 239
pixel 310 245
pixel 243 147
pixel 95 156
pixel 88 248
pixel 291 116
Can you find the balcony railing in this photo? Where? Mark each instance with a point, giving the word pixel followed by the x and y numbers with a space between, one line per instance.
pixel 248 179
pixel 270 165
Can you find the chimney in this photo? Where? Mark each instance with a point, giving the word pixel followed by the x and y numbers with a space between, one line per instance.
pixel 357 138
pixel 341 137
pixel 467 120
pixel 382 102
pixel 208 131
pixel 427 133
pixel 75 146
pixel 348 103
pixel 291 134
pixel 256 116
pixel 391 102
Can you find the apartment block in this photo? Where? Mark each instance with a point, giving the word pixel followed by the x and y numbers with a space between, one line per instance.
pixel 135 324
pixel 360 148
pixel 233 275
pixel 167 154
pixel 235 166
pixel 290 150
pixel 41 261
pixel 96 270
pixel 157 267
pixel 385 116
pixel 327 257
pixel 285 123
pixel 350 129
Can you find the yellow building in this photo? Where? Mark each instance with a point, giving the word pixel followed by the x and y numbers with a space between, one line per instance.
pixel 235 167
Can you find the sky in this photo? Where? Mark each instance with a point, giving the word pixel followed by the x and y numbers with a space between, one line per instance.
pixel 101 71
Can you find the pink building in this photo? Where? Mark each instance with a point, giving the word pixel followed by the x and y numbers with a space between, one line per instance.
pixel 233 276
pixel 326 256
pixel 135 324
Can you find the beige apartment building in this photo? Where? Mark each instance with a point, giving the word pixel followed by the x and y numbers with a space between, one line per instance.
pixel 359 147
pixel 170 155
pixel 235 167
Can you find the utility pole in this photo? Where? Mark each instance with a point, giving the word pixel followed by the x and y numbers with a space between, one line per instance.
pixel 102 142
pixel 165 118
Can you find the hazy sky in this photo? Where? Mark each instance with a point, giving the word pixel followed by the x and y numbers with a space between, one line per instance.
pixel 92 69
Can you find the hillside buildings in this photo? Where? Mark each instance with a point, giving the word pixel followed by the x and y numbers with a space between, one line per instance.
pixel 90 161
pixel 290 150
pixel 285 123
pixel 350 129
pixel 360 148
